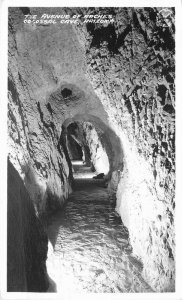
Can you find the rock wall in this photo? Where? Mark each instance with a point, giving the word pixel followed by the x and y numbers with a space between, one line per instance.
pixel 27 241
pixel 95 143
pixel 131 68
pixel 35 147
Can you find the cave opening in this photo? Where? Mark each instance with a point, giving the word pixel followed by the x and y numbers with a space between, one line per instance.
pixel 66 92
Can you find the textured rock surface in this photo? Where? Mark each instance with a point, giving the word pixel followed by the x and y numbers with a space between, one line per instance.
pixel 95 143
pixel 27 241
pixel 119 77
pixel 131 67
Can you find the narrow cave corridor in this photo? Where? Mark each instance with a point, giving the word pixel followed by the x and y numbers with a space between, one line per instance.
pixel 91 151
pixel 91 247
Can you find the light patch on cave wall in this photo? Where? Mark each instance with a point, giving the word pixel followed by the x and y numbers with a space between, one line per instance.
pixel 98 153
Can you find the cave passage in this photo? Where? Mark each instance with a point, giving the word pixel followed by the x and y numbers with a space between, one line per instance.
pixel 91 248
pixel 91 99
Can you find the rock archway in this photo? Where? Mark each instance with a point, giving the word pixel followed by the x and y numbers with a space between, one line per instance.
pixel 110 140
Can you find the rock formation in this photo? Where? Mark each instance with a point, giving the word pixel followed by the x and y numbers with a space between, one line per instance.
pixel 117 78
pixel 27 241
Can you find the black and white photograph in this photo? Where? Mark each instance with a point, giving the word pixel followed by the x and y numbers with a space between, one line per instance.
pixel 91 150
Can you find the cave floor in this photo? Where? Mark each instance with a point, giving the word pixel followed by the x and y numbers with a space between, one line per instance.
pixel 91 251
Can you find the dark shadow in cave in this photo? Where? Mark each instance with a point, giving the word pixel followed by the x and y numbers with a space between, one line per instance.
pixel 26 240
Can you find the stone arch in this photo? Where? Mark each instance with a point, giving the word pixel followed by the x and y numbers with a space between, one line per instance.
pixel 113 145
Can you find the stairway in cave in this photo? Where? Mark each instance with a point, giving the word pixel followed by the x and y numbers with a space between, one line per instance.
pixel 91 250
